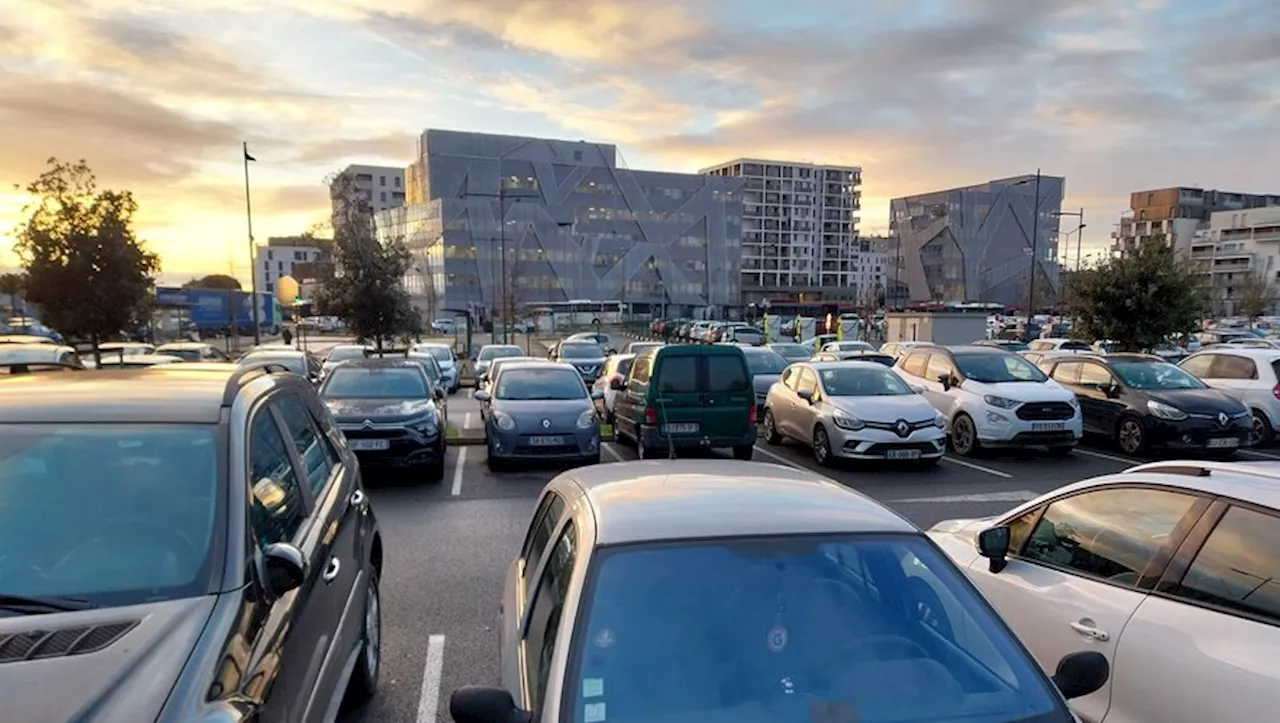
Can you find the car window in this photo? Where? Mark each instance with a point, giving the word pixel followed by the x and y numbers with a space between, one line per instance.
pixel 789 376
pixel 1020 529
pixel 997 367
pixel 278 510
pixel 313 449
pixel 544 523
pixel 1237 568
pixel 939 365
pixel 359 382
pixel 1109 534
pixel 1067 373
pixel 856 620
pixel 1198 365
pixel 344 353
pixel 808 382
pixel 1094 375
pixel 915 364
pixel 764 361
pixel 624 365
pixel 678 374
pixel 528 384
pixel 1149 375
pixel 1230 366
pixel 726 373
pixel 545 615
pixel 640 372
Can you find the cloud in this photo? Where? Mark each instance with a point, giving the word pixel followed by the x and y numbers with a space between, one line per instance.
pixel 395 148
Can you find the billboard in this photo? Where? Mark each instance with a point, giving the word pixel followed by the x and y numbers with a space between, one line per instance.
pixel 211 308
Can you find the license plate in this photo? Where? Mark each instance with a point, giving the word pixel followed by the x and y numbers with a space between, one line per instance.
pixel 680 428
pixel 903 454
pixel 546 441
pixel 369 445
pixel 1048 426
pixel 1224 443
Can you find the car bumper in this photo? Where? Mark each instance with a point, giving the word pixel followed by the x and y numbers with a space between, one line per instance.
pixel 406 450
pixel 1002 428
pixel 653 437
pixel 1195 435
pixel 881 444
pixel 576 444
pixel 450 377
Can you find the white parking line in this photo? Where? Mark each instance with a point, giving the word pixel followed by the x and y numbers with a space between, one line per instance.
pixel 1103 455
pixel 459 463
pixel 617 456
pixel 466 421
pixel 1261 455
pixel 471 392
pixel 429 698
pixel 782 459
pixel 978 467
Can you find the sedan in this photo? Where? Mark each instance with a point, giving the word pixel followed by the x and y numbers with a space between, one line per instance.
pixel 791 352
pixel 766 366
pixel 489 352
pixel 540 411
pixel 585 356
pixel 700 590
pixel 854 410
pixel 342 353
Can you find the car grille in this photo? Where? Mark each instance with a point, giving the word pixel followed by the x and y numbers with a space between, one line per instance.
pixel 1042 411
pixel 525 449
pixel 893 426
pixel 588 368
pixel 882 448
pixel 378 432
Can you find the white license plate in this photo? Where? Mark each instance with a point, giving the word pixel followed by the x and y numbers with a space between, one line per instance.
pixel 680 428
pixel 1224 443
pixel 1048 426
pixel 902 454
pixel 369 445
pixel 546 441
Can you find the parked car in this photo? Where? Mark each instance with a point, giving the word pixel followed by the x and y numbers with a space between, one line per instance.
pixel 342 353
pixel 711 590
pixel 866 356
pixel 615 373
pixel 636 347
pixel 445 358
pixel 193 351
pixel 1012 345
pixel 1168 569
pixel 444 326
pixel 302 363
pixel 489 352
pixel 585 355
pixel 846 347
pixel 766 366
pixel 540 410
pixel 142 361
pixel 1249 375
pixel 1059 344
pixel 791 352
pixel 24 358
pixel 740 334
pixel 188 542
pixel 688 396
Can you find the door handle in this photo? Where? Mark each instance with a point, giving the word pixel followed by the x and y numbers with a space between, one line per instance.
pixel 1086 628
pixel 357 497
pixel 331 571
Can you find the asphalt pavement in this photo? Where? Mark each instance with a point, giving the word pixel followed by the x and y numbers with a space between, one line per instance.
pixel 449 545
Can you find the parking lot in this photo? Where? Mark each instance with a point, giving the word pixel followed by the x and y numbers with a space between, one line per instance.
pixel 449 544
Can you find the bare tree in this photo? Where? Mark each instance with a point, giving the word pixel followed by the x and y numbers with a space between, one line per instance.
pixel 1255 295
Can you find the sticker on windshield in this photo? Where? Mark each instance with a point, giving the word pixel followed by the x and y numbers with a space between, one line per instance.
pixel 592 687
pixel 604 638
pixel 777 639
pixel 593 713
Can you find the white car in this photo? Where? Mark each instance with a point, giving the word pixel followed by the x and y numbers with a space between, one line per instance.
pixel 339 354
pixel 992 398
pixel 853 410
pixel 1170 569
pixel 445 358
pixel 616 368
pixel 1247 374
pixel 443 326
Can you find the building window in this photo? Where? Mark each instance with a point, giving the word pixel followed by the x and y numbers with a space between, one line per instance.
pixel 268 286
pixel 577 155
pixel 382 180
pixel 269 255
pixel 382 196
pixel 397 179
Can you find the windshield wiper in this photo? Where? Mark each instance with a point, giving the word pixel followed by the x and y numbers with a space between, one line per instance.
pixel 32 605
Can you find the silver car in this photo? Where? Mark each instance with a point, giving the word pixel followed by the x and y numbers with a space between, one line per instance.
pixel 489 352
pixel 766 365
pixel 445 359
pixel 540 411
pixel 341 353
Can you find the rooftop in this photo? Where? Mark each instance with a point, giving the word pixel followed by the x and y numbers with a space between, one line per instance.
pixel 1254 482
pixel 165 394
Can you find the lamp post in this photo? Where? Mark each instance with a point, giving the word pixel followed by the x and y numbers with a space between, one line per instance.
pixel 1080 226
pixel 1035 234
pixel 501 195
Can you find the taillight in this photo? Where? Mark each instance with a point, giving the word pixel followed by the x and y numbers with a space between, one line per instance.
pixel 751 417
pixel 1275 391
pixel 650 416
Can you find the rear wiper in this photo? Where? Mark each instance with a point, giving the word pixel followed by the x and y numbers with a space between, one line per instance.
pixel 32 605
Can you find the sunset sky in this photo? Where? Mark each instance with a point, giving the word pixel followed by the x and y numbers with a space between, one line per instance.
pixel 1117 95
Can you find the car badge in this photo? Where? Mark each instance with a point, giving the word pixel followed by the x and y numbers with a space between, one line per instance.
pixel 1223 418
pixel 368 424
pixel 546 424
pixel 902 428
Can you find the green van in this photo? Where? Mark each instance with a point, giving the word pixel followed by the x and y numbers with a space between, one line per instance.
pixel 687 396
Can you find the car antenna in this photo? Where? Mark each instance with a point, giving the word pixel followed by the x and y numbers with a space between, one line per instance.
pixel 671 447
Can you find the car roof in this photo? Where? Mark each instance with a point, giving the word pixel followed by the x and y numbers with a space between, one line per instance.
pixel 24 339
pixel 380 363
pixel 1253 482
pixel 681 499
pixel 1268 353
pixel 121 344
pixel 973 349
pixel 276 352
pixel 846 363
pixel 163 394
pixel 185 345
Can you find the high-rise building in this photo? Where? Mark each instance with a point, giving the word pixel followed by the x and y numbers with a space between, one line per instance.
pixel 974 244
pixel 799 230
pixel 382 187
pixel 280 254
pixel 1172 216
pixel 1238 254
pixel 559 221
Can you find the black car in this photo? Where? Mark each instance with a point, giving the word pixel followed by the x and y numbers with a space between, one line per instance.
pixel 387 410
pixel 869 356
pixel 1013 345
pixel 187 542
pixel 1143 402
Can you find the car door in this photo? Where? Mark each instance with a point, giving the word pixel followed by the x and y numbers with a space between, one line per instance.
pixel 631 399
pixel 729 397
pixel 782 397
pixel 677 375
pixel 938 394
pixel 520 582
pixel 1100 412
pixel 1068 375
pixel 1202 646
pixel 801 416
pixel 544 629
pixel 1080 566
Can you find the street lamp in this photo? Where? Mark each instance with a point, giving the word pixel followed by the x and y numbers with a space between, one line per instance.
pixel 501 195
pixel 1079 231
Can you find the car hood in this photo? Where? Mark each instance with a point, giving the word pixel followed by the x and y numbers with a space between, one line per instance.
pixel 562 414
pixel 1199 401
pixel 1046 391
pixel 379 411
pixel 911 407
pixel 762 382
pixel 127 681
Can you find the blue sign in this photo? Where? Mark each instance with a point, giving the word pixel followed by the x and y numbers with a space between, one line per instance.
pixel 210 308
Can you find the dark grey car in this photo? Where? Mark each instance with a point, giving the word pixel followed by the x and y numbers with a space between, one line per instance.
pixel 766 367
pixel 587 357
pixel 186 542
pixel 540 411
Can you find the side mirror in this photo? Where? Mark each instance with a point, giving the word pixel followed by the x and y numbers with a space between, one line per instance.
pixel 597 394
pixel 993 544
pixel 482 704
pixel 439 394
pixel 1111 390
pixel 618 385
pixel 806 395
pixel 1081 673
pixel 481 396
pixel 946 381
pixel 916 389
pixel 284 568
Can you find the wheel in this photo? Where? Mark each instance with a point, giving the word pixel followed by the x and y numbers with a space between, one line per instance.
pixel 744 452
pixel 1061 451
pixel 964 436
pixel 822 446
pixel 1130 436
pixel 364 679
pixel 1263 434
pixel 771 429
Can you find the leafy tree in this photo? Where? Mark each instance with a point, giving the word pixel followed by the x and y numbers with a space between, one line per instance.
pixel 85 268
pixel 366 289
pixel 214 281
pixel 11 285
pixel 1137 300
pixel 1255 295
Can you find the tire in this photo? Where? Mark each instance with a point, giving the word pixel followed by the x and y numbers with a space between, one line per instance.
pixel 771 435
pixel 1062 451
pixel 744 452
pixel 964 436
pixel 1130 437
pixel 364 679
pixel 1263 434
pixel 822 447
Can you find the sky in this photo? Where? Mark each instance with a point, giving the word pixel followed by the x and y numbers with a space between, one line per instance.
pixel 1115 95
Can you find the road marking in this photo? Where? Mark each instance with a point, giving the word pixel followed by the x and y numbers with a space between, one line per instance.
pixel 617 456
pixel 1262 455
pixel 460 462
pixel 1019 496
pixel 466 421
pixel 429 698
pixel 782 459
pixel 978 467
pixel 471 392
pixel 1112 457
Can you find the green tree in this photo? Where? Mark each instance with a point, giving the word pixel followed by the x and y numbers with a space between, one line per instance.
pixel 85 268
pixel 1137 300
pixel 214 281
pixel 11 285
pixel 366 289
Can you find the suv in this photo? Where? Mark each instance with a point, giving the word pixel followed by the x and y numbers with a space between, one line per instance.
pixel 992 398
pixel 688 397
pixel 202 525
pixel 1248 374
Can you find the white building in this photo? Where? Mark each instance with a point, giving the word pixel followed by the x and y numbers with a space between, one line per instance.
pixel 278 257
pixel 799 230
pixel 382 186
pixel 1238 245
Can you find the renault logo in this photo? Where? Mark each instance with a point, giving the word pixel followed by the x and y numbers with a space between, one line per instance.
pixel 546 424
pixel 902 428
pixel 368 424
pixel 1223 418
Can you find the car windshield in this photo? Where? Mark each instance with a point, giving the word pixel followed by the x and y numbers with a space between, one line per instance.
pixel 640 346
pixel 791 351
pixel 764 361
pixel 114 514
pixel 1154 375
pixel 490 353
pixel 997 367
pixel 869 628
pixel 1075 346
pixel 429 367
pixel 878 358
pixel 295 363
pixel 441 353
pixel 540 384
pixel 857 381
pixel 187 354
pixel 851 346
pixel 1013 346
pixel 375 383
pixel 343 353
pixel 581 351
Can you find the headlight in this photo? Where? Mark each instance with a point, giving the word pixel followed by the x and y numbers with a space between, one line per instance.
pixel 1164 411
pixel 504 421
pixel 1075 403
pixel 844 421
pixel 587 420
pixel 1000 402
pixel 940 422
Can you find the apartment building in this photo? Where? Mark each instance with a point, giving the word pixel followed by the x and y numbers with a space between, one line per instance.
pixel 383 187
pixel 281 255
pixel 1238 255
pixel 1173 216
pixel 800 231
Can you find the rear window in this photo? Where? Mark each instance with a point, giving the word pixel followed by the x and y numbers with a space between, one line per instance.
pixel 1074 345
pixel 765 362
pixel 726 373
pixel 678 375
